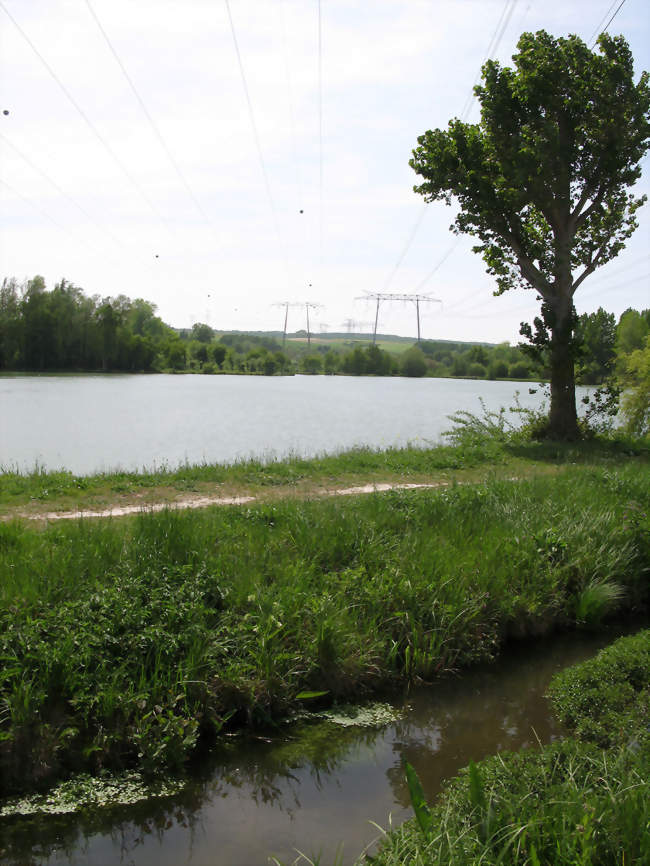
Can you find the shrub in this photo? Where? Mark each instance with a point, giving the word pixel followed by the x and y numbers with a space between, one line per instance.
pixel 636 401
pixel 604 700
pixel 414 363
pixel 519 371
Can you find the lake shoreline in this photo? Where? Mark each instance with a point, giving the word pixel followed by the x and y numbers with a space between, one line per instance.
pixel 47 495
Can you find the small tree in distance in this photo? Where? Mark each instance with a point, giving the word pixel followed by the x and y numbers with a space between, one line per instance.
pixel 542 181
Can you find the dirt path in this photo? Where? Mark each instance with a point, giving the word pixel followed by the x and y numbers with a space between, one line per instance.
pixel 205 501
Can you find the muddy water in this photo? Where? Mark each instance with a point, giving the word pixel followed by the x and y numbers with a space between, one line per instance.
pixel 316 788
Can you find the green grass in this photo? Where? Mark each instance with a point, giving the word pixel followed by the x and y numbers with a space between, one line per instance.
pixel 573 802
pixel 64 489
pixel 125 643
pixel 472 454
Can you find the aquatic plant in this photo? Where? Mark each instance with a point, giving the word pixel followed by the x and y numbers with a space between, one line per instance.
pixel 90 792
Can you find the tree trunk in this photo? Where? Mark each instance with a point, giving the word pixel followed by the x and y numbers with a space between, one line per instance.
pixel 563 418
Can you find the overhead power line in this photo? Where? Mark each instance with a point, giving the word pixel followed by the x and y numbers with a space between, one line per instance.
pixel 45 214
pixel 292 117
pixel 320 130
pixel 118 162
pixel 407 246
pixel 61 191
pixel 596 33
pixel 600 29
pixel 495 41
pixel 149 118
pixel 256 137
pixel 439 264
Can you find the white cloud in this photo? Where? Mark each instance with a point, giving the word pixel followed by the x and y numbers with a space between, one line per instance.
pixel 391 69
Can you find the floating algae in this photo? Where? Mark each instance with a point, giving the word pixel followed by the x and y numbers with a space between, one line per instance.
pixel 354 716
pixel 90 792
pixel 85 792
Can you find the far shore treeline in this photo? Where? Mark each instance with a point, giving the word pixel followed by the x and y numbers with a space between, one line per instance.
pixel 63 329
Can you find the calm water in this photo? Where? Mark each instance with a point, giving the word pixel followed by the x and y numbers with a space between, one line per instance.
pixel 315 792
pixel 94 423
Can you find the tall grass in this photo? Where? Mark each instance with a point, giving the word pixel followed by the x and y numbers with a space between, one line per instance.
pixel 570 803
pixel 126 642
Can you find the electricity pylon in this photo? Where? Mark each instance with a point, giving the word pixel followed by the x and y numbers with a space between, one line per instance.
pixel 386 296
pixel 354 326
pixel 286 305
pixel 308 305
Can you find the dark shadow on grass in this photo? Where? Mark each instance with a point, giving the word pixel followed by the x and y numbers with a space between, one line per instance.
pixel 596 450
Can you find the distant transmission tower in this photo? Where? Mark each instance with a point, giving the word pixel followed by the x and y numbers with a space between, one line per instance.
pixel 286 305
pixel 354 326
pixel 308 305
pixel 385 296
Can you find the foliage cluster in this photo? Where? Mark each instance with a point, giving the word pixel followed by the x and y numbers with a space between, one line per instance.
pixel 124 643
pixel 636 400
pixel 605 700
pixel 63 329
pixel 567 803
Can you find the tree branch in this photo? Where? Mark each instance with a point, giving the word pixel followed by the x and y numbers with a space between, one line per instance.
pixel 591 267
pixel 526 265
pixel 582 218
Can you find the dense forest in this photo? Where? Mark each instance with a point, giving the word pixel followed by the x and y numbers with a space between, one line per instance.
pixel 66 330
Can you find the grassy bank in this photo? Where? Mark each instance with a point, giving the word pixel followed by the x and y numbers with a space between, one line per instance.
pixel 125 643
pixel 584 800
pixel 480 453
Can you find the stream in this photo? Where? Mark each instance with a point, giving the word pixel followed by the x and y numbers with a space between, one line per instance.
pixel 316 787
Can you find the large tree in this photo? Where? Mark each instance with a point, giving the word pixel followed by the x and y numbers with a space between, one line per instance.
pixel 542 181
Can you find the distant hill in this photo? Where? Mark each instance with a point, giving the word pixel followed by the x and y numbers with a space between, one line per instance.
pixel 337 336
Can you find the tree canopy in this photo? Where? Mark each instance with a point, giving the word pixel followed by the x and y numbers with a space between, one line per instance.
pixel 543 180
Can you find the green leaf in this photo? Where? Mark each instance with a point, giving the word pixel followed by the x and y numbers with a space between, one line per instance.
pixel 420 807
pixel 476 794
pixel 307 696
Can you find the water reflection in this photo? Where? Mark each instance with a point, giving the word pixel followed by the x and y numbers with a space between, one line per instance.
pixel 314 785
pixel 489 710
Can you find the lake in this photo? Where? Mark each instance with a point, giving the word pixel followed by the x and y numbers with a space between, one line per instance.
pixel 97 423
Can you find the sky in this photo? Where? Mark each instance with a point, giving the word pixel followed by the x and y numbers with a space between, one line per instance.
pixel 221 157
